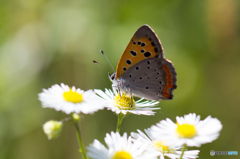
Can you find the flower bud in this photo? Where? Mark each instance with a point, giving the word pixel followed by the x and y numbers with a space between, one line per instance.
pixel 76 116
pixel 52 128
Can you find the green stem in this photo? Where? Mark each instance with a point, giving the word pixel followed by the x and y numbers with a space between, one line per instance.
pixel 183 149
pixel 120 118
pixel 81 150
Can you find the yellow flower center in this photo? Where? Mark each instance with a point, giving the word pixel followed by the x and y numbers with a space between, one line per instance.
pixel 186 130
pixel 159 146
pixel 73 97
pixel 124 102
pixel 122 155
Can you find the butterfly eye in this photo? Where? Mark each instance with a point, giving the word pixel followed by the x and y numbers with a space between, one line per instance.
pixel 113 76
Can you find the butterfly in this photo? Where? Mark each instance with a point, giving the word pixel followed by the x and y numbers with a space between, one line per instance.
pixel 142 70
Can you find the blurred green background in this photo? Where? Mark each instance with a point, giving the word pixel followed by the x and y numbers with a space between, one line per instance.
pixel 44 42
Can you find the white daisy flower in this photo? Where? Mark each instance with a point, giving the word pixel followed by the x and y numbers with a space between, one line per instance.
pixel 159 148
pixel 124 104
pixel 188 130
pixel 118 147
pixel 70 99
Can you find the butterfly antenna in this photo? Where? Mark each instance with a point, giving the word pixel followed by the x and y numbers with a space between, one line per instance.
pixel 107 60
pixel 102 65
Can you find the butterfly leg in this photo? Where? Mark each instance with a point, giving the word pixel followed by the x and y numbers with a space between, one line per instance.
pixel 119 91
pixel 131 101
pixel 131 97
pixel 114 89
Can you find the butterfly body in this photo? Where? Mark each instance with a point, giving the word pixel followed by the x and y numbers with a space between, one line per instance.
pixel 142 70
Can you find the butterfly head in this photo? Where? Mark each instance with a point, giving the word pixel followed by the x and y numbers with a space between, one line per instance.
pixel 112 78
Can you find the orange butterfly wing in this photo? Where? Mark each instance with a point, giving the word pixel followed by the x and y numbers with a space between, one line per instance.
pixel 143 45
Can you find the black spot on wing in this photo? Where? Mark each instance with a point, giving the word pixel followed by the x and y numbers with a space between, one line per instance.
pixel 129 62
pixel 147 54
pixel 134 43
pixel 133 53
